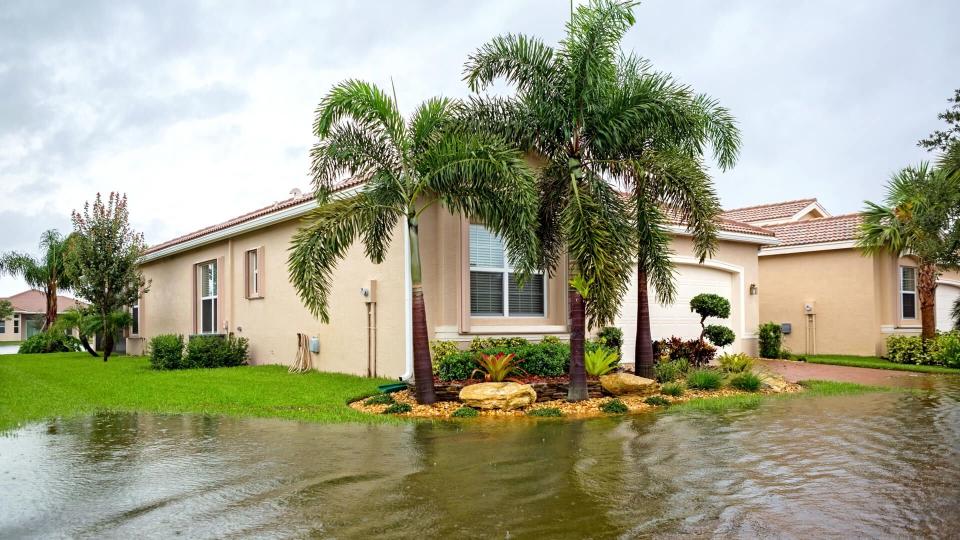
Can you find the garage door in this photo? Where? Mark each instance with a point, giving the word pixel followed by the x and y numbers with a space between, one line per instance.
pixel 946 296
pixel 675 319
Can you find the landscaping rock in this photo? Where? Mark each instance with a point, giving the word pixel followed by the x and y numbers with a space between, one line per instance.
pixel 620 384
pixel 501 395
pixel 773 382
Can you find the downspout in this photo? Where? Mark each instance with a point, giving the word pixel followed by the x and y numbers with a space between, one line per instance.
pixel 407 304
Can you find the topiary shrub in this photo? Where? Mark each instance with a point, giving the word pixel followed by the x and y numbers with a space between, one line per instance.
pixel 614 406
pixel 657 401
pixel 670 370
pixel 735 363
pixel 465 412
pixel 380 399
pixel 440 350
pixel 746 381
pixel 166 351
pixel 674 389
pixel 457 366
pixel 49 342
pixel 704 379
pixel 398 408
pixel 770 337
pixel 547 412
pixel 719 335
pixel 215 352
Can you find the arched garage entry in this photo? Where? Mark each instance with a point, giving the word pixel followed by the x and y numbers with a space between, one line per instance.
pixel 947 293
pixel 676 319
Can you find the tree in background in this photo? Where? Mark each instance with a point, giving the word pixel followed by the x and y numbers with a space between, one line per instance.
pixel 6 310
pixel 943 139
pixel 409 166
pixel 46 274
pixel 919 219
pixel 103 264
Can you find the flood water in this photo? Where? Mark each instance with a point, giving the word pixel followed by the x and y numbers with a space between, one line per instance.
pixel 875 465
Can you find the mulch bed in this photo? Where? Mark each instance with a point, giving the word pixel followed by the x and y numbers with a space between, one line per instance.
pixel 547 388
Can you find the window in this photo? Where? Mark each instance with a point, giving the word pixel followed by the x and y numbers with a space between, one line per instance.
pixel 16 324
pixel 135 314
pixel 3 326
pixel 207 301
pixel 493 287
pixel 254 277
pixel 908 292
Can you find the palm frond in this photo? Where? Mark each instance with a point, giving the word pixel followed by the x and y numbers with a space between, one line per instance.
pixel 26 267
pixel 526 62
pixel 428 119
pixel 955 314
pixel 363 103
pixel 348 149
pixel 654 240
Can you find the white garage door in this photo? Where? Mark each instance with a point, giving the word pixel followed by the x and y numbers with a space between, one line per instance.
pixel 676 319
pixel 946 296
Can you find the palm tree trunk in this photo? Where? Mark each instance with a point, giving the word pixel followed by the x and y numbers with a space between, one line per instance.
pixel 578 371
pixel 51 315
pixel 927 289
pixel 643 358
pixel 107 345
pixel 422 367
pixel 85 341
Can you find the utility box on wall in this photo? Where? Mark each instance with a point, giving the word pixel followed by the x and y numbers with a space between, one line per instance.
pixel 786 328
pixel 315 345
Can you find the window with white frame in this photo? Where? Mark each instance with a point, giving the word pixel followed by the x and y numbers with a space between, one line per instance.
pixel 494 291
pixel 207 297
pixel 253 273
pixel 3 326
pixel 908 292
pixel 135 315
pixel 16 324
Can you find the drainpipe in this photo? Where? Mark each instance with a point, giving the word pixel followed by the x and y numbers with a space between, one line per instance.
pixel 407 304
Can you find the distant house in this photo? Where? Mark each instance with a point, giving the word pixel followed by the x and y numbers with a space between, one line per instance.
pixel 834 299
pixel 29 310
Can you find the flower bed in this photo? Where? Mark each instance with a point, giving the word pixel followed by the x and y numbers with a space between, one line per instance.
pixel 547 388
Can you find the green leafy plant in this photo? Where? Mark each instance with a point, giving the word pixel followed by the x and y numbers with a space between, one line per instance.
pixel 548 412
pixel 674 389
pixel 49 342
pixel 166 351
pixel 465 412
pixel 719 335
pixel 550 340
pixel 770 336
pixel 735 363
pixel 215 352
pixel 544 359
pixel 670 370
pixel 380 399
pixel 704 379
pixel 600 361
pixel 398 408
pixel 614 406
pixel 479 344
pixel 440 350
pixel 692 350
pixel 657 401
pixel 611 337
pixel 907 350
pixel 947 351
pixel 457 366
pixel 6 310
pixel 746 381
pixel 498 367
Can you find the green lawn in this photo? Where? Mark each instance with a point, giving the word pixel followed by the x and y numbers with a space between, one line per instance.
pixel 34 387
pixel 746 401
pixel 877 363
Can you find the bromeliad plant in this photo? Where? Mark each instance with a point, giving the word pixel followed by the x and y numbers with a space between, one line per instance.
pixel 408 166
pixel 600 361
pixel 498 367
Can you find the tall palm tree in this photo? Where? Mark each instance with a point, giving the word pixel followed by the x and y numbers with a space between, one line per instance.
pixel 599 117
pixel 46 273
pixel 409 166
pixel 918 218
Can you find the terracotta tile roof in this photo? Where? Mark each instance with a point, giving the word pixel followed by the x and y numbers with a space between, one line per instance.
pixel 763 212
pixel 726 224
pixel 816 231
pixel 35 302
pixel 260 212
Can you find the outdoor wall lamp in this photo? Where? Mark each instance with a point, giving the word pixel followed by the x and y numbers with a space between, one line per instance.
pixel 753 289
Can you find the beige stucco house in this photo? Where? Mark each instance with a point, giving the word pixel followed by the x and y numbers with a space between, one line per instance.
pixel 833 299
pixel 232 278
pixel 29 312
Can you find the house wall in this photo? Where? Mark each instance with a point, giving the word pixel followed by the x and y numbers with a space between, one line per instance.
pixel 8 334
pixel 272 322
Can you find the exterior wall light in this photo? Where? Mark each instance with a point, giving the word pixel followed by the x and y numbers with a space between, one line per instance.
pixel 753 289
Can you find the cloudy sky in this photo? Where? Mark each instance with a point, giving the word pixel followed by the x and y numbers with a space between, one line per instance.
pixel 201 110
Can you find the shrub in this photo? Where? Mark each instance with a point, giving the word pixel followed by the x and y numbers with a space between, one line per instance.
pixel 771 340
pixel 907 350
pixel 549 412
pixel 49 342
pixel 398 408
pixel 380 399
pixel 215 351
pixel 545 359
pixel 710 305
pixel 614 406
pixel 440 350
pixel 600 361
pixel 735 363
pixel 465 412
pixel 704 379
pixel 498 367
pixel 746 381
pixel 657 401
pixel 674 389
pixel 611 337
pixel 550 340
pixel 457 366
pixel 719 335
pixel 947 351
pixel 166 351
pixel 690 350
pixel 482 343
pixel 670 370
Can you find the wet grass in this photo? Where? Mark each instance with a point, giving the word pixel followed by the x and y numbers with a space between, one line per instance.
pixel 749 401
pixel 877 363
pixel 35 387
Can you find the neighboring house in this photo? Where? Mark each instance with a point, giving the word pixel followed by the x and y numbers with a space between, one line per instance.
pixel 232 278
pixel 29 311
pixel 834 299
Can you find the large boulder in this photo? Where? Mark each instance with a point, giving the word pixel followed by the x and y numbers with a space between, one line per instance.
pixel 773 382
pixel 620 384
pixel 498 395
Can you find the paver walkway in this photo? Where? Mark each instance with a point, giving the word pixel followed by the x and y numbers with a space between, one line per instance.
pixel 800 371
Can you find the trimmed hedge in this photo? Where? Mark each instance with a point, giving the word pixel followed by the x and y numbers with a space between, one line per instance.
pixel 166 351
pixel 771 340
pixel 548 359
pixel 944 350
pixel 215 351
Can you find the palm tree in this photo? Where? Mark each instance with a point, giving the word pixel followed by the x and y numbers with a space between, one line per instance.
pixel 408 166
pixel 84 321
pixel 46 274
pixel 955 314
pixel 919 218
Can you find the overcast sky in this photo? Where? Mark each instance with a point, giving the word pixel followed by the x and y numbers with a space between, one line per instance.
pixel 200 111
